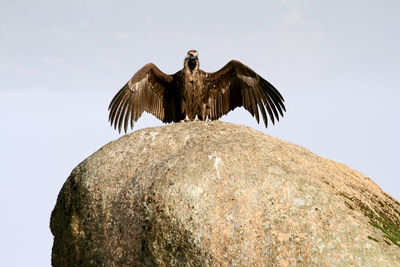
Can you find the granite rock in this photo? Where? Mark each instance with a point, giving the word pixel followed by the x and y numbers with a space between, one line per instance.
pixel 219 194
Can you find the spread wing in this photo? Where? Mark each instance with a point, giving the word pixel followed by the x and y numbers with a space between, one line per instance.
pixel 236 85
pixel 145 91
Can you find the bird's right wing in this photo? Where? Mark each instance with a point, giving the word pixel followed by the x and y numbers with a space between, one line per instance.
pixel 145 91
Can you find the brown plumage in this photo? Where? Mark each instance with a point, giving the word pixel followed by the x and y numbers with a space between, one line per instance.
pixel 194 94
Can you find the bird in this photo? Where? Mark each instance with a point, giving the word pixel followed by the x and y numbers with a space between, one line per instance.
pixel 193 94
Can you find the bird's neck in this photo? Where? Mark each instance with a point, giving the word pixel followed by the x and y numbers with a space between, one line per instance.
pixel 191 66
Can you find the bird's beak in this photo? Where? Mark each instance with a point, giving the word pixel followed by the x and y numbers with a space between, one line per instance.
pixel 193 57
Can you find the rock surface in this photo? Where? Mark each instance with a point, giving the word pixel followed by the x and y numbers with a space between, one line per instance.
pixel 213 193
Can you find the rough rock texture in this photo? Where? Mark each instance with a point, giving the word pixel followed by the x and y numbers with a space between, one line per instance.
pixel 213 193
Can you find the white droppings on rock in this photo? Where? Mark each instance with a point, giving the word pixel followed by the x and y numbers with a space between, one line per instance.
pixel 141 136
pixel 186 139
pixel 194 190
pixel 298 202
pixel 153 135
pixel 145 135
pixel 320 245
pixel 217 161
pixel 276 170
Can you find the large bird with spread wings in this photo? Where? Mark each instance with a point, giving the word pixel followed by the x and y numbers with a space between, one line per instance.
pixel 192 94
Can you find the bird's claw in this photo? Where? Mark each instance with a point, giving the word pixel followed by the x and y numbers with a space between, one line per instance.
pixel 186 119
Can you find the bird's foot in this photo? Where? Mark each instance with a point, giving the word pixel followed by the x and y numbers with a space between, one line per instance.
pixel 186 119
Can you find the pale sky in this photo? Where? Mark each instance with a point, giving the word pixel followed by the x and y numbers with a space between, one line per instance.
pixel 337 63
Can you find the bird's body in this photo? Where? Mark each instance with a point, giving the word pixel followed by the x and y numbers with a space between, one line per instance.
pixel 194 94
pixel 192 90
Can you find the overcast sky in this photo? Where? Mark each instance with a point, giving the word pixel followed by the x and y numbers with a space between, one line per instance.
pixel 337 63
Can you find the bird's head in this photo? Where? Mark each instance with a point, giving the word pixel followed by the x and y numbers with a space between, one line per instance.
pixel 192 55
pixel 192 60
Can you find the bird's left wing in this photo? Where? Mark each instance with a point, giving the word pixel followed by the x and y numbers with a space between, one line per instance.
pixel 237 85
pixel 145 91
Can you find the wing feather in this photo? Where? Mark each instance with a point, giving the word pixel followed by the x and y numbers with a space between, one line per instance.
pixel 121 113
pixel 247 104
pixel 115 104
pixel 237 85
pixel 121 106
pixel 129 113
pixel 274 95
pixel 226 103
pixel 273 107
pixel 269 110
pixel 261 106
pixel 254 104
pixel 146 91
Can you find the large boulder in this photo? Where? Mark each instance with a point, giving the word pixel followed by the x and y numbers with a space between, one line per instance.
pixel 214 193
